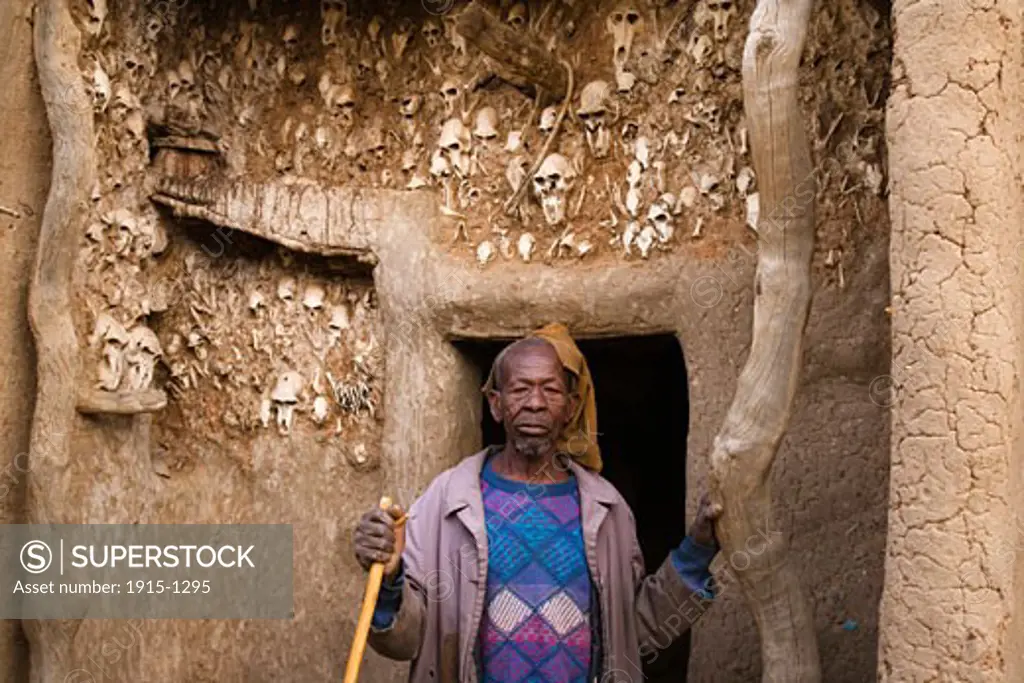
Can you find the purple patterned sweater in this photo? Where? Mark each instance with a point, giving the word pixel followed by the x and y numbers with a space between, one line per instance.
pixel 536 626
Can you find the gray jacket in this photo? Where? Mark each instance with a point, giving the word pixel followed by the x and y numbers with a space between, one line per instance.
pixel 445 569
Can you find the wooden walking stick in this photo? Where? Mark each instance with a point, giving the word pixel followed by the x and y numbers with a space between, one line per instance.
pixel 373 581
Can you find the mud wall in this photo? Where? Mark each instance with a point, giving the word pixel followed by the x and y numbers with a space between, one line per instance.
pixel 273 360
pixel 952 600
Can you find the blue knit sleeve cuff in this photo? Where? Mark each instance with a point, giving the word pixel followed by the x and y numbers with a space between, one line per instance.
pixel 693 561
pixel 389 600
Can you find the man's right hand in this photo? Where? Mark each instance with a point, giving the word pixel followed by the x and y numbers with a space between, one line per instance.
pixel 377 540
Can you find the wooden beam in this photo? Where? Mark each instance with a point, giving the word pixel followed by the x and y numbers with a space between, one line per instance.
pixel 96 402
pixel 520 60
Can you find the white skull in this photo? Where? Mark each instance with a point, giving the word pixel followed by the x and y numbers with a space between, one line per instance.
pixel 456 142
pixel 286 288
pixel 97 15
pixel 450 92
pixel 722 12
pixel 645 240
pixel 439 166
pixel 256 300
pixel 313 297
pixel 486 127
pixel 321 410
pixel 126 228
pixel 517 15
pixel 485 252
pixel 114 338
pixel 142 352
pixel 514 141
pixel 525 246
pixel 624 81
pixel 332 14
pixel 593 113
pixel 432 33
pixel 100 89
pixel 284 397
pixel 551 184
pixel 624 24
pixel 548 118
pixel 700 48
pixel 659 217
pixel 339 318
pixel 400 39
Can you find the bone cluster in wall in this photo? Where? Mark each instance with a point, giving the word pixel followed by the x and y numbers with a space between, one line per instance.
pixel 652 155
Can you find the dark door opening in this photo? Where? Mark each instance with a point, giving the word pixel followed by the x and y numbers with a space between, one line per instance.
pixel 643 420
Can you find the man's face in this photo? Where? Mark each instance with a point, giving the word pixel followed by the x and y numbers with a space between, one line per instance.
pixel 533 402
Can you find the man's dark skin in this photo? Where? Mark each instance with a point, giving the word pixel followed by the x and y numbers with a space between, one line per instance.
pixel 533 401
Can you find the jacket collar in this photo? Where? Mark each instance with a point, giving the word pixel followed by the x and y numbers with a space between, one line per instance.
pixel 464 486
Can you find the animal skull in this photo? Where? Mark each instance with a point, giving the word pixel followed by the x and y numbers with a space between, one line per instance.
pixel 313 297
pixel 321 409
pixel 290 37
pixel 659 216
pixel 100 88
pixel 97 14
pixel 114 338
pixel 486 127
pixel 339 318
pixel 517 15
pixel 645 240
pixel 525 246
pixel 332 14
pixel 551 184
pixel 548 118
pixel 286 288
pixel 141 354
pixel 341 99
pixel 410 105
pixel 456 142
pixel 373 28
pixel 624 25
pixel 126 229
pixel 593 112
pixel 450 92
pixel 284 398
pixel 432 33
pixel 722 12
pixel 485 252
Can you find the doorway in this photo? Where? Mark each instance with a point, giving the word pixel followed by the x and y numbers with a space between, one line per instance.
pixel 642 422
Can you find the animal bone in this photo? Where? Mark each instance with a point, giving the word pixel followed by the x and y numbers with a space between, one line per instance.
pixel 624 82
pixel 400 39
pixel 410 105
pixel 341 101
pixel 744 180
pixel 339 318
pixel 514 141
pixel 552 184
pixel 290 37
pixel 593 112
pixel 373 28
pixel 629 236
pixel 286 288
pixel 141 354
pixel 126 229
pixel 97 15
pixel 624 24
pixel 753 210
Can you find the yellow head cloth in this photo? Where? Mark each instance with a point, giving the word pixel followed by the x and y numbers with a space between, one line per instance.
pixel 579 439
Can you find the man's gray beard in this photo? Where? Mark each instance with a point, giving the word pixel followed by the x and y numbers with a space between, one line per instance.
pixel 531 447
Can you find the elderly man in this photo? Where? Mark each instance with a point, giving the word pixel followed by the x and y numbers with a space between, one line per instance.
pixel 522 564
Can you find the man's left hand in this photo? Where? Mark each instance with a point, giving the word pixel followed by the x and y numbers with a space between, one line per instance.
pixel 703 529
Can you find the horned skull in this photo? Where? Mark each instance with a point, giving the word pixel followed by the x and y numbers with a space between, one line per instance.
pixel 551 184
pixel 141 354
pixel 624 24
pixel 593 113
